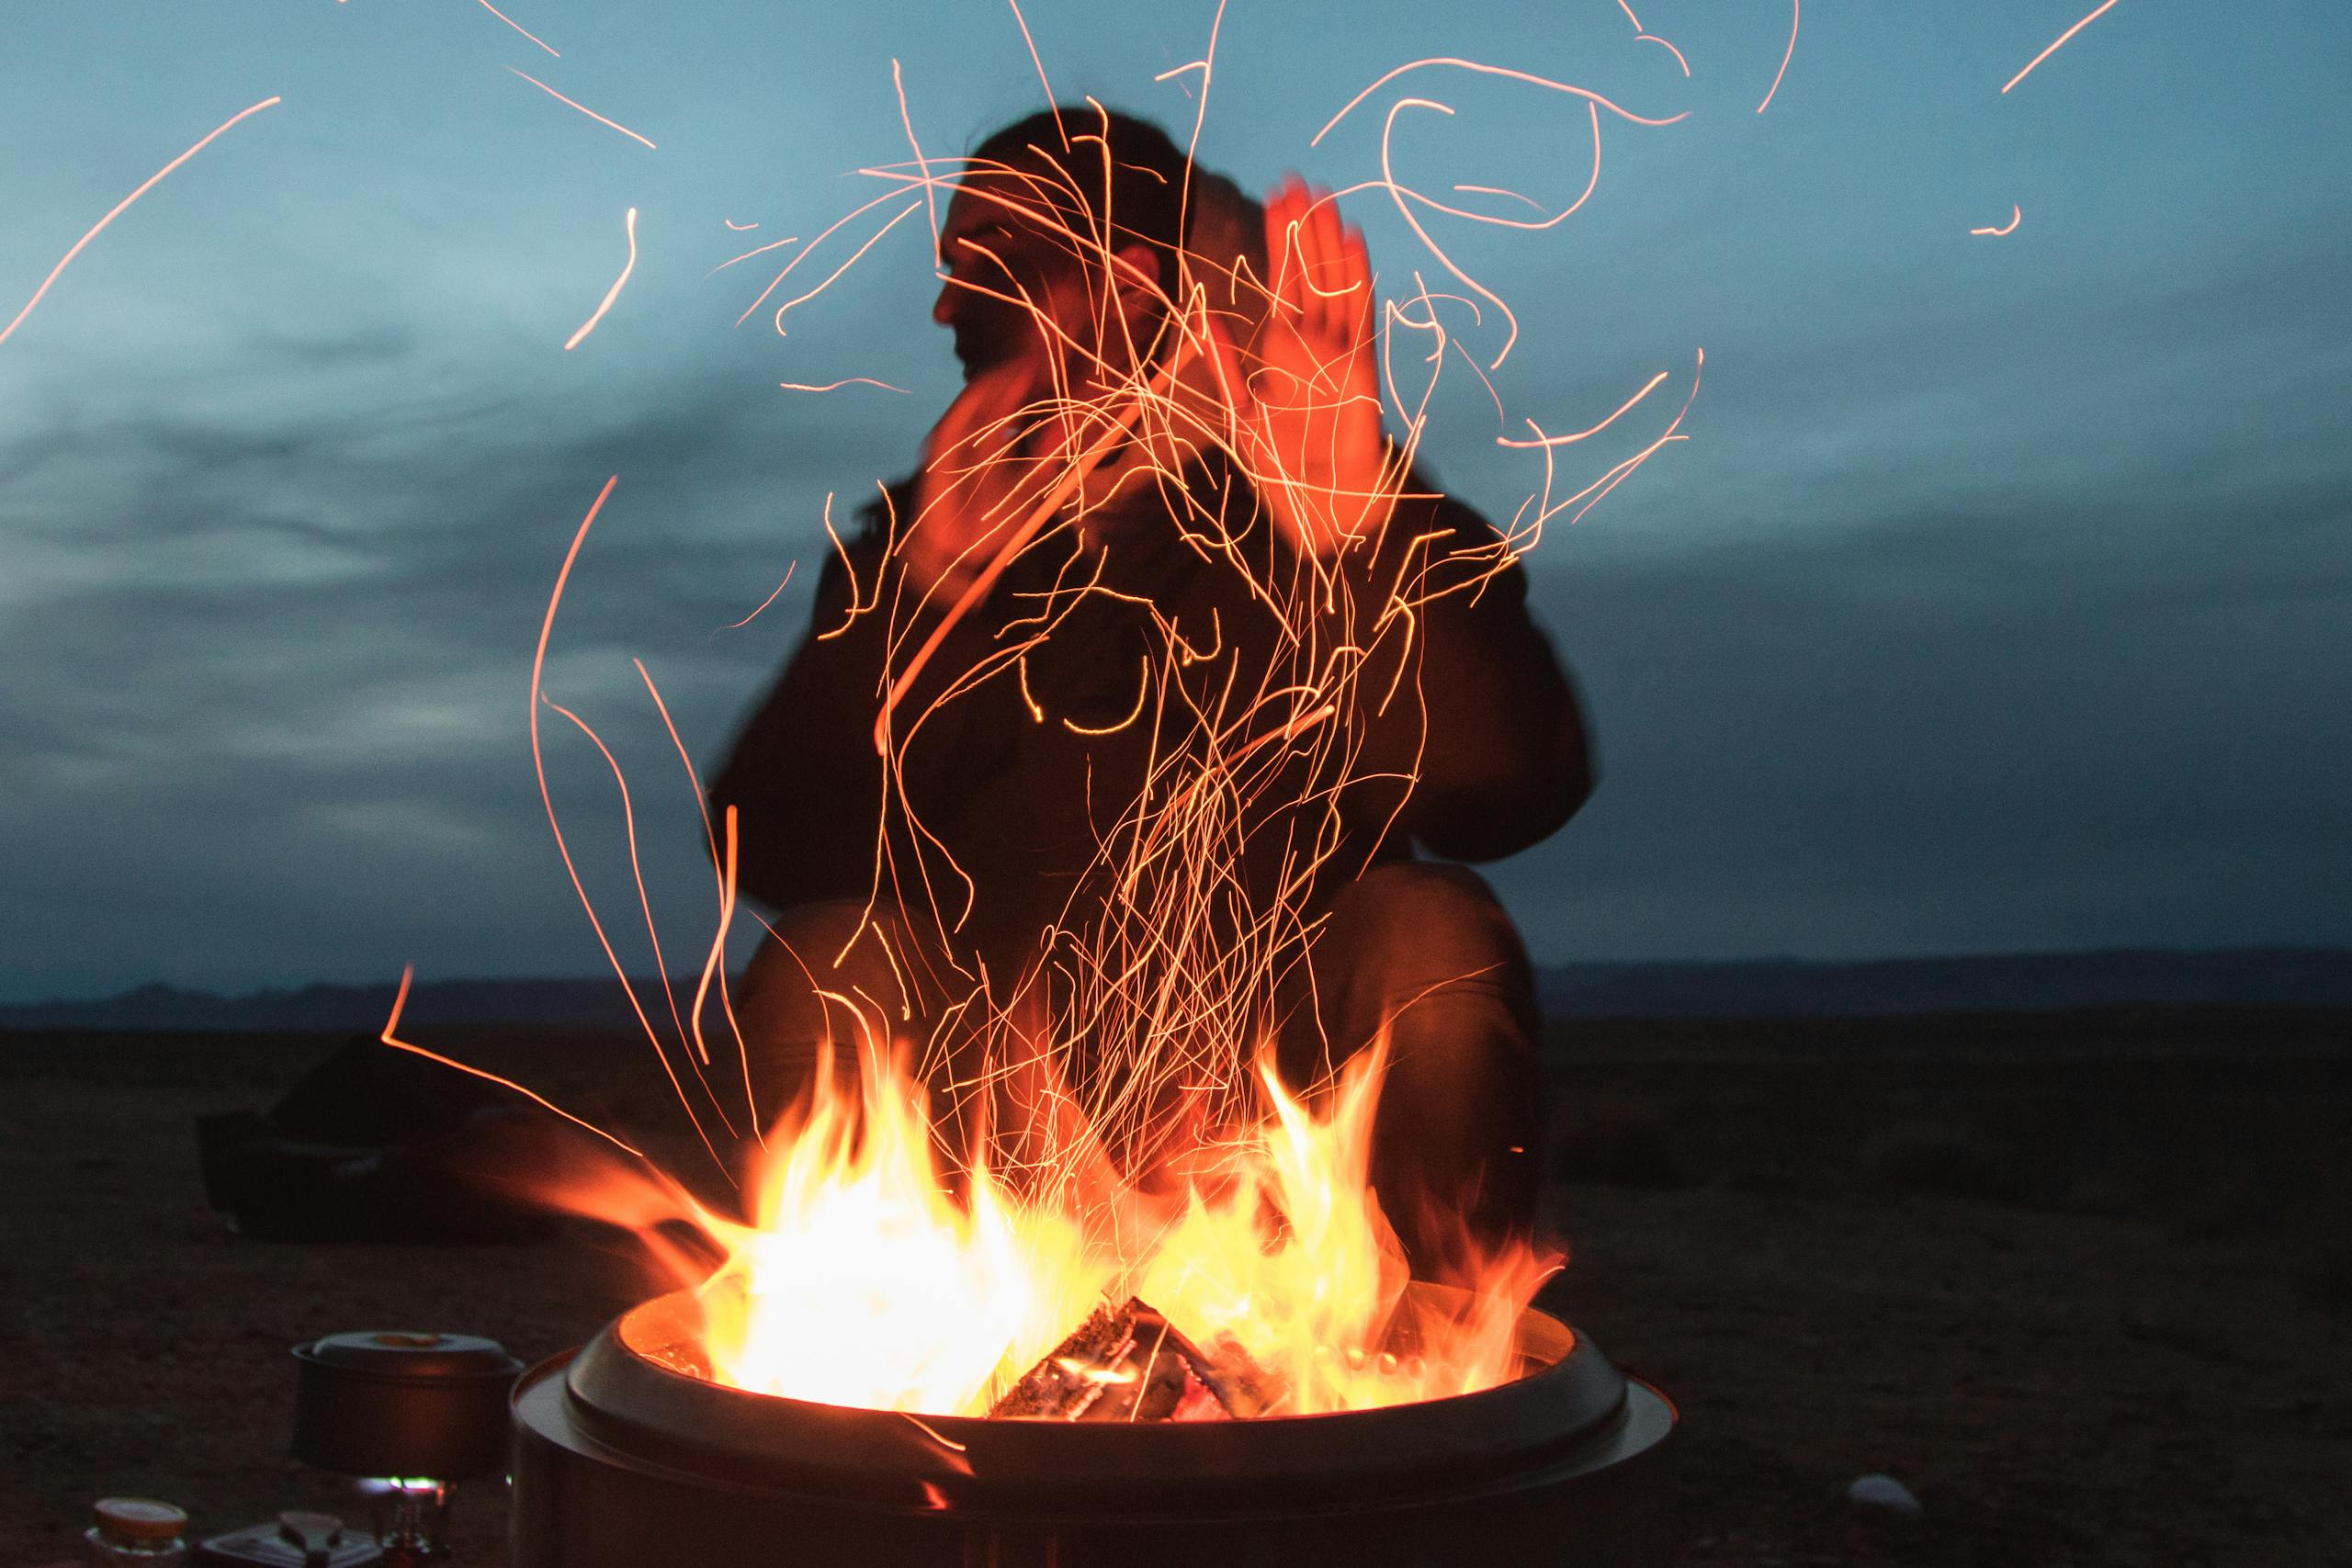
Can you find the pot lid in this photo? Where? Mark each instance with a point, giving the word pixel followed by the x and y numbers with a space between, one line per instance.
pixel 400 1354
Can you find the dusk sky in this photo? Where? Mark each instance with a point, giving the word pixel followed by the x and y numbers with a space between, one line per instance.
pixel 2000 599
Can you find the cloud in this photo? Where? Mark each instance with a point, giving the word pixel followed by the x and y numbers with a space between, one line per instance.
pixel 1960 729
pixel 1999 597
pixel 265 677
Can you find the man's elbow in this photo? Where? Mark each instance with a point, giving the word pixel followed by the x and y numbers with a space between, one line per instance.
pixel 1508 809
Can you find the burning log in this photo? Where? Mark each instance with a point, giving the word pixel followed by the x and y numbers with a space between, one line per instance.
pixel 1129 1363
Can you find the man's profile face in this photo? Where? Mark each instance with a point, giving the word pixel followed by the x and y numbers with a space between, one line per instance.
pixel 1000 244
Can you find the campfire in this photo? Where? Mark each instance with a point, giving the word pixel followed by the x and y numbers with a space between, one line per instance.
pixel 892 1365
pixel 1275 1287
pixel 1033 1254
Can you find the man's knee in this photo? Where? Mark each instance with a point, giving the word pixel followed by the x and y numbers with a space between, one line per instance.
pixel 825 979
pixel 1425 955
pixel 811 948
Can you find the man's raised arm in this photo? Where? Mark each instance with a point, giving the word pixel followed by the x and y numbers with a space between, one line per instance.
pixel 1504 760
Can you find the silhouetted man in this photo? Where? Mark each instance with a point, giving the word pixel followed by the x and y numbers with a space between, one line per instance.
pixel 1044 687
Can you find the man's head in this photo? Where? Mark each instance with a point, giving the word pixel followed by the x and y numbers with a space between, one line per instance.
pixel 1062 240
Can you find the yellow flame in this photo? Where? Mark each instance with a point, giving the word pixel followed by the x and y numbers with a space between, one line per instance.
pixel 863 1281
pixel 865 1278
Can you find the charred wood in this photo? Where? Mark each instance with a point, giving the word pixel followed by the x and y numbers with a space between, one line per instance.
pixel 1129 1363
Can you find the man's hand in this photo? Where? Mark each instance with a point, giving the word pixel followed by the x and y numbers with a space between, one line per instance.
pixel 980 476
pixel 1305 392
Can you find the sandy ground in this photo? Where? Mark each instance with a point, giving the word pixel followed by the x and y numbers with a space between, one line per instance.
pixel 2141 1385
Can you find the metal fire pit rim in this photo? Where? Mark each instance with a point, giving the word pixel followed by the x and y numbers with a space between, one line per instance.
pixel 1646 1425
pixel 670 1421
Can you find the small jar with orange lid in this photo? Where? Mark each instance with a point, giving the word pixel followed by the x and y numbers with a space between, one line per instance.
pixel 136 1530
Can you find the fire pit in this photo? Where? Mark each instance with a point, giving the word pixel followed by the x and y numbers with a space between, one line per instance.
pixel 624 1455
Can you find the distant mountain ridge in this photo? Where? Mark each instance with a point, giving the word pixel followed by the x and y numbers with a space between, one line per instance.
pixel 2021 982
pixel 1747 988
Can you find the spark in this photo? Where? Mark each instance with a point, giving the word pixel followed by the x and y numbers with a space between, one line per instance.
pixel 934 1434
pixel 152 180
pixel 629 223
pixel 713 964
pixel 909 210
pixel 922 165
pixel 1073 475
pixel 547 800
pixel 1550 220
pixel 1653 37
pixel 858 605
pixel 844 381
pixel 1641 35
pixel 637 873
pixel 519 26
pixel 1499 190
pixel 1207 63
pixel 1796 10
pixel 1388 173
pixel 763 249
pixel 1399 194
pixel 1543 440
pixel 1594 493
pixel 1040 64
pixel 583 109
pixel 724 865
pixel 1028 699
pixel 739 228
pixel 1504 70
pixel 805 250
pixel 2053 48
pixel 1143 690
pixel 2016 216
pixel 737 625
pixel 399 1001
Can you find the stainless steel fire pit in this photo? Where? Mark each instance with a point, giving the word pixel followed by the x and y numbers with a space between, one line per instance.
pixel 620 1459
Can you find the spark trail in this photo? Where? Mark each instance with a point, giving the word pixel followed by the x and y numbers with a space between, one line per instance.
pixel 583 109
pixel 628 224
pixel 2056 45
pixel 1796 12
pixel 519 26
pixel 120 207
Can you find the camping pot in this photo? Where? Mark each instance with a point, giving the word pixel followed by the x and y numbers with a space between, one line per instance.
pixel 403 1405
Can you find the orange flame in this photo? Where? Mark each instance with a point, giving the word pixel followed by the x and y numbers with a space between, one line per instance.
pixel 864 1279
pixel 1313 1299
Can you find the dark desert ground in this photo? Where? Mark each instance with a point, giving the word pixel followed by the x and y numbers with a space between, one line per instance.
pixel 2081 1280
